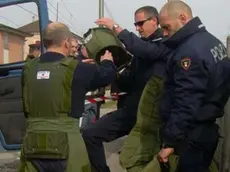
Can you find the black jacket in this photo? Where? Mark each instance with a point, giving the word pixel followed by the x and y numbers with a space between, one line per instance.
pixel 149 59
pixel 195 89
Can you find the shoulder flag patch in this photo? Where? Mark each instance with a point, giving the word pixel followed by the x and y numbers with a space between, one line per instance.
pixel 186 63
pixel 43 74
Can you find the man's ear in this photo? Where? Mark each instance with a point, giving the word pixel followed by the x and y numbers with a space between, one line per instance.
pixel 183 18
pixel 67 43
pixel 154 21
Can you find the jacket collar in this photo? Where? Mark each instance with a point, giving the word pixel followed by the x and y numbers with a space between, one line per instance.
pixel 192 27
pixel 51 57
pixel 155 36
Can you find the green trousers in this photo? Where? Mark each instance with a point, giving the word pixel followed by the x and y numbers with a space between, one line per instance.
pixel 143 143
pixel 77 157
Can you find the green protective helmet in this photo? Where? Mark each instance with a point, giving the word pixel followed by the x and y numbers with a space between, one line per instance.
pixel 98 40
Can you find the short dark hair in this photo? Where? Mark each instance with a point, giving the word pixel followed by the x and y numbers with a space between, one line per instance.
pixel 53 36
pixel 149 12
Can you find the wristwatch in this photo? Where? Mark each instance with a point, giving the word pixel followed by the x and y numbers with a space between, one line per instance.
pixel 115 26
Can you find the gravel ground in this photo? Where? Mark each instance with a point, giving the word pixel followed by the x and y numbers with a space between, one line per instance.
pixel 9 161
pixel 10 166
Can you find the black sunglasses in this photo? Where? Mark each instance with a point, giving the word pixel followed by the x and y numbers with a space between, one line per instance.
pixel 140 23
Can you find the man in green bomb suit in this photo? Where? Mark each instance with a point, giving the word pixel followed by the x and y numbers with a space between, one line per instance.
pixel 54 88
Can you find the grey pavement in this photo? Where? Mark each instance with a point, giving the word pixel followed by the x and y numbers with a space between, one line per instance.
pixel 9 161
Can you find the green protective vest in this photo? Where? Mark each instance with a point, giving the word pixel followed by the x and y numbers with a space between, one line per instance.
pixel 143 143
pixel 98 40
pixel 50 133
pixel 47 90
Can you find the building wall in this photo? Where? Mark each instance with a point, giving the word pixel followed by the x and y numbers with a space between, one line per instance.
pixel 16 45
pixel 11 50
pixel 1 48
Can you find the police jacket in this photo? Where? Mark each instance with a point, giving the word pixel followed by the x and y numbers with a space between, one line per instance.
pixel 142 49
pixel 80 57
pixel 141 69
pixel 195 89
pixel 86 77
pixel 94 93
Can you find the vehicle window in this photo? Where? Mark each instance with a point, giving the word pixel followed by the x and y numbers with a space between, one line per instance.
pixel 19 33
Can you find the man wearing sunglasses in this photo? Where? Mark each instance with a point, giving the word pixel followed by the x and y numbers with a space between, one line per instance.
pixel 142 26
pixel 148 60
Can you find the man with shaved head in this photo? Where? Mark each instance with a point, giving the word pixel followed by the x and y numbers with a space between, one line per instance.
pixel 196 89
pixel 54 88
pixel 171 18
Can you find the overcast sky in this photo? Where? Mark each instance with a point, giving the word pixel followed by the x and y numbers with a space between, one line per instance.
pixel 81 14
